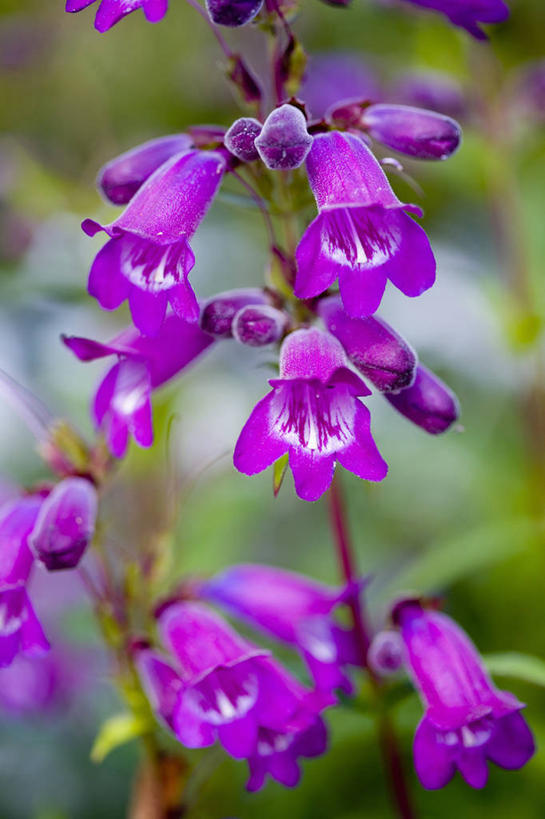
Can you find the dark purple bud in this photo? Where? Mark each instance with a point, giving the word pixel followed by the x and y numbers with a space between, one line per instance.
pixel 259 324
pixel 244 79
pixel 429 403
pixel 378 352
pixel 240 137
pixel 233 13
pixel 218 312
pixel 284 141
pixel 385 654
pixel 412 131
pixel 65 524
pixel 123 176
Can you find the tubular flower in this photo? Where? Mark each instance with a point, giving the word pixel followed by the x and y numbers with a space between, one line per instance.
pixel 122 403
pixel 20 629
pixel 314 414
pixel 292 608
pixel 412 131
pixel 148 257
pixel 111 12
pixel 362 234
pixel 467 721
pixel 468 14
pixel 428 402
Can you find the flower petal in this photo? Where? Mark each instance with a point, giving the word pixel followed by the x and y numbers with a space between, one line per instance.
pixel 258 446
pixel 106 282
pixel 511 744
pixel 432 758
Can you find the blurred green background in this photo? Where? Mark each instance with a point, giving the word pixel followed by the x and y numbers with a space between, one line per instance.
pixel 459 515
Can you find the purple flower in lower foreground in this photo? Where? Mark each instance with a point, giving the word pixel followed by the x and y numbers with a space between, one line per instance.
pixel 468 721
pixel 111 12
pixel 313 412
pixel 468 13
pixel 362 235
pixel 122 403
pixel 20 629
pixel 292 608
pixel 148 257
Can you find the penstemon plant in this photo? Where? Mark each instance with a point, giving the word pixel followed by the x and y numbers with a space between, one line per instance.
pixel 336 233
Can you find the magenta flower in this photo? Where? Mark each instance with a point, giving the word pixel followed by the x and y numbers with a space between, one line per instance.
pixel 122 403
pixel 148 257
pixel 160 681
pixel 412 131
pixel 362 235
pixel 65 524
pixel 428 402
pixel 241 136
pixel 233 13
pixel 111 12
pixel 17 519
pixel 467 721
pixel 20 629
pixel 468 14
pixel 314 414
pixel 284 141
pixel 292 608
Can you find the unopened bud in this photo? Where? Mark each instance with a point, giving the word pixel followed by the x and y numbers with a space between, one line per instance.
pixel 284 142
pixel 428 403
pixel 258 325
pixel 240 137
pixel 218 312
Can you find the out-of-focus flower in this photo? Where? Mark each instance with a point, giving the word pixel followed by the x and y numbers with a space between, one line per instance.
pixel 385 655
pixel 467 721
pixel 233 13
pixel 160 681
pixel 284 141
pixel 259 324
pixel 241 136
pixel 412 131
pixel 65 524
pixel 432 90
pixel 330 78
pixel 148 257
pixel 362 234
pixel 530 90
pixel 373 347
pixel 218 312
pixel 111 12
pixel 428 402
pixel 292 608
pixel 122 403
pixel 17 519
pixel 20 629
pixel 313 413
pixel 468 14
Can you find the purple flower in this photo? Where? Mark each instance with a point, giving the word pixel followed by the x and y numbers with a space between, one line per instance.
pixel 428 402
pixel 292 608
pixel 218 312
pixel 20 630
pixel 30 685
pixel 233 13
pixel 284 141
pixel 333 77
pixel 468 13
pixel 259 324
pixel 65 524
pixel 467 721
pixel 17 519
pixel 373 347
pixel 160 681
pixel 111 12
pixel 412 131
pixel 122 403
pixel 120 178
pixel 148 257
pixel 240 138
pixel 314 414
pixel 362 235
pixel 385 655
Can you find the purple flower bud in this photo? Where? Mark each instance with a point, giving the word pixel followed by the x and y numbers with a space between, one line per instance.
pixel 468 13
pixel 111 12
pixel 378 352
pixel 467 721
pixel 385 655
pixel 17 519
pixel 233 13
pixel 120 178
pixel 412 131
pixel 20 629
pixel 284 142
pixel 65 524
pixel 338 76
pixel 218 312
pixel 428 403
pixel 258 325
pixel 240 137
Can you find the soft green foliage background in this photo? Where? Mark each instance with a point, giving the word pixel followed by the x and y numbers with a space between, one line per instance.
pixel 460 516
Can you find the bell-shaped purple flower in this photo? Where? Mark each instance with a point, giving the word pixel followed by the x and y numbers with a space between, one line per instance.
pixel 148 257
pixel 428 402
pixel 467 721
pixel 120 178
pixel 111 12
pixel 240 138
pixel 122 403
pixel 292 608
pixel 412 131
pixel 218 312
pixel 233 13
pixel 468 14
pixel 17 519
pixel 313 413
pixel 362 235
pixel 20 629
pixel 257 325
pixel 65 524
pixel 284 141
pixel 373 347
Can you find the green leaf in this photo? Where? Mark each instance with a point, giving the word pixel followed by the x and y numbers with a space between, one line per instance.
pixel 116 731
pixel 512 664
pixel 279 471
